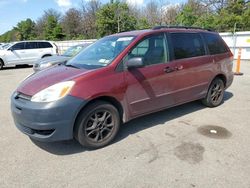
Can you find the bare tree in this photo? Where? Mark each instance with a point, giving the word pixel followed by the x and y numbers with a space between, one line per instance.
pixel 88 24
pixel 170 14
pixel 71 23
pixel 215 5
pixel 152 13
pixel 198 7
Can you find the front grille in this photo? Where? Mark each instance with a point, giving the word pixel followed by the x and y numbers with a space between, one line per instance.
pixel 35 131
pixel 44 132
pixel 27 130
pixel 22 96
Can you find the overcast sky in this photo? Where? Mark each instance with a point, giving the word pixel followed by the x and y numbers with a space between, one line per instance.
pixel 13 11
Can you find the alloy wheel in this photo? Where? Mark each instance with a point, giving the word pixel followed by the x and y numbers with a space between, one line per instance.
pixel 99 126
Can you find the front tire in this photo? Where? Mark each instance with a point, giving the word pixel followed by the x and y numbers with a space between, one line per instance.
pixel 215 93
pixel 97 125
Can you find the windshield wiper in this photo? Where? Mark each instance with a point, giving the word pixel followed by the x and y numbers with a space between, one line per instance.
pixel 70 65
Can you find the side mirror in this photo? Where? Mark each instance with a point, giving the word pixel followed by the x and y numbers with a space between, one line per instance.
pixel 135 62
pixel 11 49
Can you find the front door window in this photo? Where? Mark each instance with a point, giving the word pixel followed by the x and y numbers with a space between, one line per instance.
pixel 152 49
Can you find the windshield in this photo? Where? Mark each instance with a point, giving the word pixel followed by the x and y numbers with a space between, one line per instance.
pixel 5 46
pixel 72 51
pixel 101 53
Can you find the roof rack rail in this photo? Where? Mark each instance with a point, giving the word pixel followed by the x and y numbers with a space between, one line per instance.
pixel 178 27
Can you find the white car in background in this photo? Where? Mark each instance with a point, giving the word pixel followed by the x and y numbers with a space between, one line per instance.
pixel 26 52
pixel 1 44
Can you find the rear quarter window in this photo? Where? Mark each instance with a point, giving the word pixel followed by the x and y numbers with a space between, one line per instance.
pixel 215 43
pixel 187 45
pixel 44 45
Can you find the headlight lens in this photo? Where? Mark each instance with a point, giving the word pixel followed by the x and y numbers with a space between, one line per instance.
pixel 45 65
pixel 54 92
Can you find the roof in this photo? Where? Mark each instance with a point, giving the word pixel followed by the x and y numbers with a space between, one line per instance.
pixel 162 28
pixel 132 33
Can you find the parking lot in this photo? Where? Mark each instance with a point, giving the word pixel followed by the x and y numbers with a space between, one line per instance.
pixel 185 146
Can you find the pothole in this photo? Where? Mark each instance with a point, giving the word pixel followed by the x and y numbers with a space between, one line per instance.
pixel 213 131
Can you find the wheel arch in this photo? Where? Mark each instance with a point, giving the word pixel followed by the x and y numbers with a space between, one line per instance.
pixel 108 99
pixel 207 101
pixel 46 55
pixel 222 77
pixel 2 60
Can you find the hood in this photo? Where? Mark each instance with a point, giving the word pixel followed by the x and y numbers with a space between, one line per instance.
pixel 48 77
pixel 53 59
pixel 2 51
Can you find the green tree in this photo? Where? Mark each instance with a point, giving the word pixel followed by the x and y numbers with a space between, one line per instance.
pixel 113 18
pixel 53 30
pixel 207 21
pixel 187 16
pixel 9 36
pixel 236 12
pixel 142 23
pixel 246 18
pixel 42 22
pixel 26 29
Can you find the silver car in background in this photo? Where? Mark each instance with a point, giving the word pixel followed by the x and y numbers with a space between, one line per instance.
pixel 56 59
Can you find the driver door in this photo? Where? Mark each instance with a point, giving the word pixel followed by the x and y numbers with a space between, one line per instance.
pixel 16 54
pixel 151 87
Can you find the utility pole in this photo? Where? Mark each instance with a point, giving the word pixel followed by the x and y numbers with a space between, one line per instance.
pixel 118 15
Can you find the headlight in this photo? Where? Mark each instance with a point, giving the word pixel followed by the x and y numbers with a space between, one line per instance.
pixel 45 65
pixel 54 92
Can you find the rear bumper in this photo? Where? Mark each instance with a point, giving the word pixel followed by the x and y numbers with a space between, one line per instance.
pixel 46 121
pixel 230 79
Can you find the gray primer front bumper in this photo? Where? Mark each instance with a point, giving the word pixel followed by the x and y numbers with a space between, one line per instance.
pixel 52 121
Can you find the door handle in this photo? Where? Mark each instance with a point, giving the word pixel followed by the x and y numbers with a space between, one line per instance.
pixel 169 70
pixel 179 67
pixel 172 69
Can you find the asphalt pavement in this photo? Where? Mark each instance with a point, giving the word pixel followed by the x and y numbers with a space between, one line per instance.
pixel 185 146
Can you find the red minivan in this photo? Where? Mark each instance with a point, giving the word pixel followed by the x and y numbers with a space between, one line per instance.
pixel 121 77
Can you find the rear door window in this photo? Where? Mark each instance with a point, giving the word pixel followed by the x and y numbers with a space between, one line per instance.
pixel 215 43
pixel 30 45
pixel 44 45
pixel 186 45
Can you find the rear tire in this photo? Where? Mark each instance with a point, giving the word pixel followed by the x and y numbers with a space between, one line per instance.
pixel 1 64
pixel 97 125
pixel 215 94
